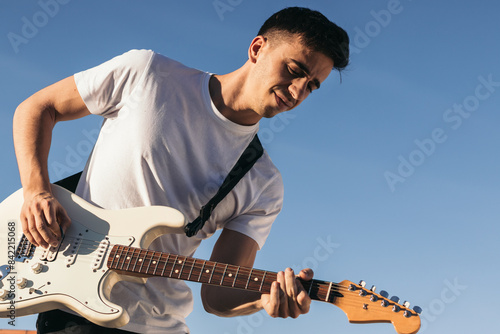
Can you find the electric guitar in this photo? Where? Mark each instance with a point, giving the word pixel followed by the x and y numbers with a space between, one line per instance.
pixel 102 247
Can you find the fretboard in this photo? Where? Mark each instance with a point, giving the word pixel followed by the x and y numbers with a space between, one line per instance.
pixel 147 263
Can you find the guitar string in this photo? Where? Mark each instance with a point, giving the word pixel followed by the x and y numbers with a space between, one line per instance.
pixel 92 245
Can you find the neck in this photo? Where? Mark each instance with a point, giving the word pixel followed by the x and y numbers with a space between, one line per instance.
pixel 228 95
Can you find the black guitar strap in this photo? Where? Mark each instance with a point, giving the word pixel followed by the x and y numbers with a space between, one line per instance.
pixel 70 182
pixel 247 159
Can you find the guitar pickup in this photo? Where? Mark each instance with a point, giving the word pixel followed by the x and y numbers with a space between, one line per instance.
pixel 100 254
pixel 72 250
pixel 49 254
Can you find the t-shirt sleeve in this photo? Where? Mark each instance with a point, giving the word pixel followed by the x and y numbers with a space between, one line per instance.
pixel 106 87
pixel 256 223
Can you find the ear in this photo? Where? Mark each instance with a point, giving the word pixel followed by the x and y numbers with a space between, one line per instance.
pixel 255 48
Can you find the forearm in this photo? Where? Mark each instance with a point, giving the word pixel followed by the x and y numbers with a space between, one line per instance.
pixel 227 302
pixel 32 131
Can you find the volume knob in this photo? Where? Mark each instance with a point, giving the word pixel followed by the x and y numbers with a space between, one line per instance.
pixel 21 282
pixel 4 294
pixel 37 268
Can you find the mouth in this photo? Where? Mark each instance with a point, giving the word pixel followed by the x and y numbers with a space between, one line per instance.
pixel 282 102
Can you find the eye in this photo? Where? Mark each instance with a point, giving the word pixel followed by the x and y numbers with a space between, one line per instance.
pixel 293 72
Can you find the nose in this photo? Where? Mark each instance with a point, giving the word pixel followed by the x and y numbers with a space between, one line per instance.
pixel 298 89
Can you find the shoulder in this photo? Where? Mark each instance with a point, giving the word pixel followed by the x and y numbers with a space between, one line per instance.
pixel 267 176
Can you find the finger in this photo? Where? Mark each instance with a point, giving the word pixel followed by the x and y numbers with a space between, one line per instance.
pixel 303 300
pixel 271 301
pixel 45 235
pixel 292 291
pixel 26 230
pixel 63 219
pixel 34 223
pixel 53 229
pixel 283 299
pixel 306 274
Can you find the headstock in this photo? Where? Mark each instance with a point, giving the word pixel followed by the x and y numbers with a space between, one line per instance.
pixel 363 305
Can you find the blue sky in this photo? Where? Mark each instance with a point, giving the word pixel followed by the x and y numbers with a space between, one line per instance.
pixel 391 175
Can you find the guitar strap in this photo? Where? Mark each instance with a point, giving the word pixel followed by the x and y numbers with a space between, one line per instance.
pixel 70 182
pixel 247 159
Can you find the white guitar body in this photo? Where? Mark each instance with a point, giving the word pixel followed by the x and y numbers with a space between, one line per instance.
pixel 75 275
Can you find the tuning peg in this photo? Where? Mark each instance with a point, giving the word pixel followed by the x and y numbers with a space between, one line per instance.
pixel 373 288
pixel 417 309
pixel 406 304
pixel 362 283
pixel 384 293
pixel 395 299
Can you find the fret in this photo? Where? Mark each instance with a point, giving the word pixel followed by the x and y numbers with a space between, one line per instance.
pixel 212 273
pixel 207 272
pixel 243 276
pixel 201 271
pixel 262 281
pixel 235 276
pixel 191 271
pixel 154 262
pixel 113 256
pixel 218 274
pixel 165 266
pixel 182 267
pixel 173 265
pixel 328 293
pixel 150 259
pixel 127 258
pixel 229 275
pixel 157 263
pixel 136 259
pixel 185 272
pixel 256 280
pixel 120 257
pixel 141 258
pixel 222 278
pixel 248 280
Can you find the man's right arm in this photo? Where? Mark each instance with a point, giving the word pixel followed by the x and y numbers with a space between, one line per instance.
pixel 42 217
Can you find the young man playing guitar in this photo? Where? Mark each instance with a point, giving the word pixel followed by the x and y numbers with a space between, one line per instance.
pixel 170 131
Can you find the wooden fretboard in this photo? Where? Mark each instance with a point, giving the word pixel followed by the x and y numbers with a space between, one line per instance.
pixel 147 263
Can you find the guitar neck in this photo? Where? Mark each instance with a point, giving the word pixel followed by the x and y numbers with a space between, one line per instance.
pixel 148 263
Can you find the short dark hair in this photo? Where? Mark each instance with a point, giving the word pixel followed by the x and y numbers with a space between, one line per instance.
pixel 317 32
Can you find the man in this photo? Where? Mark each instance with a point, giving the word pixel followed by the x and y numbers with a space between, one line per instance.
pixel 169 134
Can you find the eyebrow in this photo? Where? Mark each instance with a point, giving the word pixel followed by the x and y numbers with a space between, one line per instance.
pixel 304 68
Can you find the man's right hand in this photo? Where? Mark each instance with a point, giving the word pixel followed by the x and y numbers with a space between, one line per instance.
pixel 43 219
pixel 42 216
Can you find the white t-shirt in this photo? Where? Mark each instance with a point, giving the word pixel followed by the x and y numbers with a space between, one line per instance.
pixel 163 142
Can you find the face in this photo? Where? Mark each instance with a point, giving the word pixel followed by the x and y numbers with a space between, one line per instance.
pixel 284 74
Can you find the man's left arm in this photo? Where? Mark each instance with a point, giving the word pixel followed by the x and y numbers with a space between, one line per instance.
pixel 287 297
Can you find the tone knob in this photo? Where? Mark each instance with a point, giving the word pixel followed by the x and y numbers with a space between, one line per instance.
pixel 21 282
pixel 37 268
pixel 4 294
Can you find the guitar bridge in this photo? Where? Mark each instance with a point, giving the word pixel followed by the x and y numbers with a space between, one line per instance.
pixel 25 250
